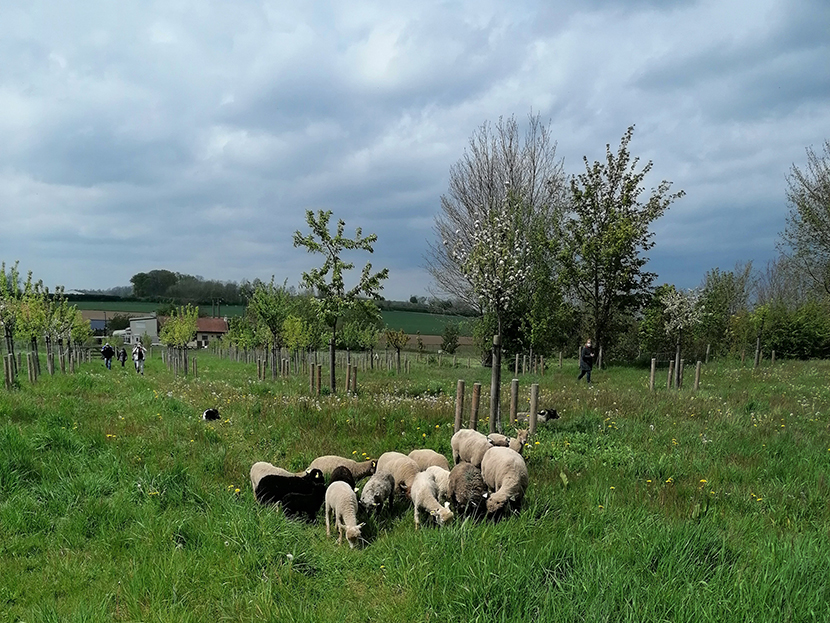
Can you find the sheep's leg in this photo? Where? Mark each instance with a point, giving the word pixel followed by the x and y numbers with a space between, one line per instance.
pixel 328 528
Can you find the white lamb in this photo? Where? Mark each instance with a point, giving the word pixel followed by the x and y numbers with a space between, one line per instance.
pixel 505 473
pixel 425 457
pixel 442 481
pixel 380 487
pixel 516 443
pixel 469 446
pixel 402 468
pixel 341 504
pixel 424 492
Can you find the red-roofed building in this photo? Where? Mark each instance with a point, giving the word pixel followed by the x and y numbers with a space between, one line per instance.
pixel 209 329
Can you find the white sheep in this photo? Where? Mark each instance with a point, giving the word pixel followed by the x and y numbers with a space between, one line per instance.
pixel 469 445
pixel 263 468
pixel 380 487
pixel 341 504
pixel 402 468
pixel 424 492
pixel 442 481
pixel 516 443
pixel 505 473
pixel 425 457
pixel 327 463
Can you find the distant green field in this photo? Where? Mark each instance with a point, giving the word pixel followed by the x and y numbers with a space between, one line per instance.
pixel 411 322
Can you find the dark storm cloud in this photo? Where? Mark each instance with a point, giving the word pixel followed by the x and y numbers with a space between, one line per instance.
pixel 194 136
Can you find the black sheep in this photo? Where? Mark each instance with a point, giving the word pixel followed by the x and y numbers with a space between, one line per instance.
pixel 274 487
pixel 308 504
pixel 343 473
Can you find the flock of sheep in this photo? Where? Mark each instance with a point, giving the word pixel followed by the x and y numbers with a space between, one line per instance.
pixel 489 478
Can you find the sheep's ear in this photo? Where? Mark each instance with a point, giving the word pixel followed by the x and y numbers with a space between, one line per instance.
pixel 485 495
pixel 446 504
pixel 356 490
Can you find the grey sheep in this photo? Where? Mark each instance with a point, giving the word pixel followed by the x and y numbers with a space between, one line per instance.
pixel 467 490
pixel 380 487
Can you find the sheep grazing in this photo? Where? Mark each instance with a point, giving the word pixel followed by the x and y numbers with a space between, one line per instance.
pixel 442 481
pixel 380 487
pixel 341 473
pixel 308 504
pixel 505 473
pixel 402 468
pixel 271 484
pixel 425 457
pixel 262 469
pixel 424 493
pixel 469 446
pixel 516 443
pixel 467 490
pixel 341 504
pixel 210 414
pixel 359 470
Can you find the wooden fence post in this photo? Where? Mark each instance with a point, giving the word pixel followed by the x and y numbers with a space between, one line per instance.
pixel 772 358
pixel 560 359
pixel 474 406
pixel 653 371
pixel 697 376
pixel 671 373
pixel 534 407
pixel 459 405
pixel 311 378
pixel 514 400
pixel 354 379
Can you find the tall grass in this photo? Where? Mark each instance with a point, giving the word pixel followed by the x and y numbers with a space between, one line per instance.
pixel 118 503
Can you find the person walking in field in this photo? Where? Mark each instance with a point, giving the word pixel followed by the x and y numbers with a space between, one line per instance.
pixel 122 355
pixel 108 352
pixel 139 353
pixel 586 361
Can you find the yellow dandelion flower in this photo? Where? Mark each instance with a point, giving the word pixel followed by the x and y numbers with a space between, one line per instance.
pixel 703 481
pixel 648 481
pixel 670 480
pixel 612 488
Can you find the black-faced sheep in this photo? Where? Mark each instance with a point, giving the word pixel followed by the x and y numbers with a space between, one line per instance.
pixel 341 473
pixel 424 493
pixel 467 490
pixel 516 443
pixel 270 488
pixel 341 504
pixel 425 457
pixel 380 487
pixel 308 504
pixel 402 468
pixel 505 473
pixel 542 416
pixel 261 469
pixel 359 469
pixel 469 446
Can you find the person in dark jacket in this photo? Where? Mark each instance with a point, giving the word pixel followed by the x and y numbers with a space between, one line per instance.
pixel 108 352
pixel 122 355
pixel 586 361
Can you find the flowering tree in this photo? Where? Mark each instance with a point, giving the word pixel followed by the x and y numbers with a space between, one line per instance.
pixel 494 260
pixel 682 311
pixel 10 295
pixel 180 330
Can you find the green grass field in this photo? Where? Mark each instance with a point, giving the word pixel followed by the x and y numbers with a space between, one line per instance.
pixel 118 503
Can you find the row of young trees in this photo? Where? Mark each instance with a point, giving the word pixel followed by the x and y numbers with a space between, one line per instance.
pixel 31 314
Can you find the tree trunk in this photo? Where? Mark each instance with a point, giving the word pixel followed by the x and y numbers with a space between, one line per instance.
pixel 495 386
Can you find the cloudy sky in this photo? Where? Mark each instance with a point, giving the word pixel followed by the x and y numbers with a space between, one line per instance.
pixel 192 135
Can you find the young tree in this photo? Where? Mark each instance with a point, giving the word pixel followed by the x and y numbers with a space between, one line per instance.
pixel 807 235
pixel 10 296
pixel 180 330
pixel 682 312
pixel 449 338
pixel 605 235
pixel 397 340
pixel 271 305
pixel 333 299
